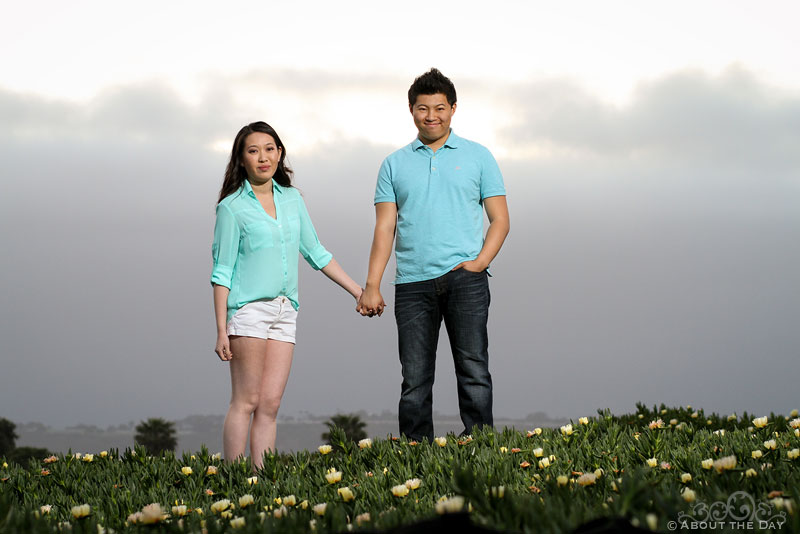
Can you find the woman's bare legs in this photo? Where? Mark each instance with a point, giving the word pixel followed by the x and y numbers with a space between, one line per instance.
pixel 259 372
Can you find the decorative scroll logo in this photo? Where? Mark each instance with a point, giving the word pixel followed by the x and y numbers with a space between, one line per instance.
pixel 740 512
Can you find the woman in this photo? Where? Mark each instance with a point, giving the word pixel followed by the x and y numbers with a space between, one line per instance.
pixel 262 224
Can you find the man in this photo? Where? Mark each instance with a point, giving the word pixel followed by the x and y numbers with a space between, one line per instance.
pixel 433 193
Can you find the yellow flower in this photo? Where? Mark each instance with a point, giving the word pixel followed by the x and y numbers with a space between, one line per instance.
pixel 278 501
pixel 498 492
pixel 686 478
pixel 413 483
pixel 587 479
pixel 220 506
pixel 538 452
pixel 217 456
pixel 77 456
pixel 566 430
pixel 794 413
pixel 583 420
pixel 544 462
pixel 346 494
pixel 186 470
pixel 365 443
pixel 792 454
pixel 211 470
pixel 252 481
pixel 562 480
pixel 324 449
pixel 750 472
pixel 756 454
pixel 180 510
pixel 333 477
pixel 770 444
pixel 673 422
pixel 48 460
pixel 400 490
pixel 652 462
pixel 362 518
pixel 319 509
pixel 797 432
pixel 720 432
pixel 732 417
pixel 88 458
pixel 598 472
pixel 81 511
pixel 723 464
pixel 695 415
pixel 304 505
pixel 708 463
pixel 246 500
pixel 535 432
pixel 652 521
pixel 760 422
pixel 451 505
pixel 688 495
pixel 440 441
pixel 45 509
pixel 239 522
pixel 290 500
pixel 503 450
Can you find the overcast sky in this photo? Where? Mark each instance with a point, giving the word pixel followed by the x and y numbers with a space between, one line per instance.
pixel 651 157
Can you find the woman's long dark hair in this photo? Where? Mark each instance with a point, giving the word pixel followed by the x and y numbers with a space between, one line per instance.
pixel 235 174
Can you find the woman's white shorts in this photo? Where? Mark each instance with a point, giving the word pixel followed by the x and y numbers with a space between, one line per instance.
pixel 265 319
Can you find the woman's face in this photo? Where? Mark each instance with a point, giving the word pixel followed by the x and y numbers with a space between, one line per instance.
pixel 261 157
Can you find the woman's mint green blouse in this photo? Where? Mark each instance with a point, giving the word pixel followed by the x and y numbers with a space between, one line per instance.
pixel 256 256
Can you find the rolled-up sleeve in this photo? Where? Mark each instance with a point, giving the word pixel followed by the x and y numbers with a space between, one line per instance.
pixel 225 247
pixel 312 250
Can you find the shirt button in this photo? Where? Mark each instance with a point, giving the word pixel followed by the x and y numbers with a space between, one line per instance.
pixel 433 168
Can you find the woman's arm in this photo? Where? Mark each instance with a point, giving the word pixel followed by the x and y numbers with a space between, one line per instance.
pixel 223 348
pixel 335 272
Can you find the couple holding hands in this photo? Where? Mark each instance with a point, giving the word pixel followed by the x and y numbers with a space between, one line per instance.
pixel 431 194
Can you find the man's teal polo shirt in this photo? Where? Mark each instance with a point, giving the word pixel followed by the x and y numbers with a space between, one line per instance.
pixel 439 199
pixel 256 256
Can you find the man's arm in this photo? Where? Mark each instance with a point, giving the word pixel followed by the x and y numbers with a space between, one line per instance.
pixel 499 224
pixel 371 301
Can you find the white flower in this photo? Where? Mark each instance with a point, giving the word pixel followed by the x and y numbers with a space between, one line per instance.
pixel 794 413
pixel 180 510
pixel 538 452
pixel 760 422
pixel 544 462
pixel 324 449
pixel 45 509
pixel 583 420
pixel 566 430
pixel 346 494
pixel 400 490
pixel 652 462
pixel 80 511
pixel 246 500
pixel 708 463
pixel 562 480
pixel 688 495
pixel 686 477
pixel 217 456
pixel 732 417
pixel 413 483
pixel 652 521
pixel 365 443
pixel 319 509
pixel 451 505
pixel 750 472
pixel 792 454
pixel 770 444
pixel 658 423
pixel 362 518
pixel 587 479
pixel 88 458
pixel 290 500
pixel 152 514
pixel 756 454
pixel 186 470
pixel 277 513
pixel 440 441
pixel 238 522
pixel 252 481
pixel 723 464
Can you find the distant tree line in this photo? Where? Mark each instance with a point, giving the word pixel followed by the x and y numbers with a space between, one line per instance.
pixel 9 449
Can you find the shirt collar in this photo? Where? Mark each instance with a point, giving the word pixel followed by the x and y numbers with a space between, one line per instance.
pixel 453 141
pixel 276 187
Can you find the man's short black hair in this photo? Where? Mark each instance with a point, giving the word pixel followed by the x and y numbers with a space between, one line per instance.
pixel 431 83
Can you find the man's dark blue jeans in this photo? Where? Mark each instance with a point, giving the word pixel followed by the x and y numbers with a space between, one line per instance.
pixel 461 298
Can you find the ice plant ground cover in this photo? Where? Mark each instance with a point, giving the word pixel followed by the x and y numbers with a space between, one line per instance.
pixel 648 467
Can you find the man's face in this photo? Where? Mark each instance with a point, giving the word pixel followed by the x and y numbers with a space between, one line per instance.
pixel 432 116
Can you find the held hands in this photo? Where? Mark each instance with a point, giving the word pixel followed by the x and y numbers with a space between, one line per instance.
pixel 223 348
pixel 370 303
